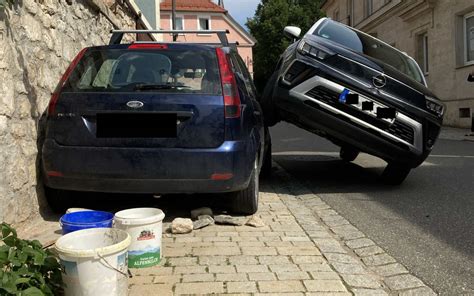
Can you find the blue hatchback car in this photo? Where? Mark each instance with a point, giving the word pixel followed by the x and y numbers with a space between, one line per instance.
pixel 155 118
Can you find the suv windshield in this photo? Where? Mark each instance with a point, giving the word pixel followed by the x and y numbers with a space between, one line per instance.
pixel 371 47
pixel 168 70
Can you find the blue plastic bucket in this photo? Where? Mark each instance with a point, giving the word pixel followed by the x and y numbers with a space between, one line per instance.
pixel 86 219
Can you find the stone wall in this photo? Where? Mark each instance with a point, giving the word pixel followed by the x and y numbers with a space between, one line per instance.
pixel 38 39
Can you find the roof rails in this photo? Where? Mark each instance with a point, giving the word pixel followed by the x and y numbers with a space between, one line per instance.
pixel 117 35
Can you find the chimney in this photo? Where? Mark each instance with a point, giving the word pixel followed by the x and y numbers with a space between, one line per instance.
pixel 221 3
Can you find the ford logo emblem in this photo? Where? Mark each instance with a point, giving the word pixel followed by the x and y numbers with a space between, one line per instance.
pixel 379 81
pixel 135 104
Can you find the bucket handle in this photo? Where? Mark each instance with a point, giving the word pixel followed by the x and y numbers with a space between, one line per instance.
pixel 112 267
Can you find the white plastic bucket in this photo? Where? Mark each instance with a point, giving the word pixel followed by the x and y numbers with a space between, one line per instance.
pixel 94 262
pixel 144 225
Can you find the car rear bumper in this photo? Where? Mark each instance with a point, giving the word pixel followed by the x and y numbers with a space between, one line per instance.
pixel 148 170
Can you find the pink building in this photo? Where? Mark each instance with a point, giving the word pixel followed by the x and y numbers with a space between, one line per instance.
pixel 205 15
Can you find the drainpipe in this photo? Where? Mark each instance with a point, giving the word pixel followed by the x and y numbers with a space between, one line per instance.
pixel 173 12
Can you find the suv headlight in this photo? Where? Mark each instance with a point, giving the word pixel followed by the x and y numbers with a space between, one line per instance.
pixel 434 106
pixel 315 51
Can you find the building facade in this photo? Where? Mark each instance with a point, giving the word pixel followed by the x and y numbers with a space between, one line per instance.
pixel 204 15
pixel 439 34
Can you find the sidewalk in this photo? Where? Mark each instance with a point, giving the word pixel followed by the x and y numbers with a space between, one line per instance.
pixel 306 248
pixel 459 134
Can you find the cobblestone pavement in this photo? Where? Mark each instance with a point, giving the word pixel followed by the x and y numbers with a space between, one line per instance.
pixel 306 248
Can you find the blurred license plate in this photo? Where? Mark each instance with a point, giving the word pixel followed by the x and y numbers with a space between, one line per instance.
pixel 136 125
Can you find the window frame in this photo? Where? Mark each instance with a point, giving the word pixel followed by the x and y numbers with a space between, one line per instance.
pixel 424 38
pixel 177 17
pixel 208 17
pixel 465 47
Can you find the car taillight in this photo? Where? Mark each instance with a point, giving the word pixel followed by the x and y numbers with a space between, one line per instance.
pixel 229 86
pixel 57 90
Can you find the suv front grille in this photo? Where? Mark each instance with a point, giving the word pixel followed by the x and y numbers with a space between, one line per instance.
pixel 330 97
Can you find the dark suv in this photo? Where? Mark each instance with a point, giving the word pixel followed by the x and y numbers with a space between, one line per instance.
pixel 357 91
pixel 155 118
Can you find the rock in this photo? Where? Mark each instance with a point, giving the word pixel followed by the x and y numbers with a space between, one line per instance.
pixel 181 226
pixel 227 220
pixel 203 221
pixel 255 221
pixel 200 212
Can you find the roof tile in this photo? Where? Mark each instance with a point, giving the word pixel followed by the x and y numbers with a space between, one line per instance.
pixel 192 5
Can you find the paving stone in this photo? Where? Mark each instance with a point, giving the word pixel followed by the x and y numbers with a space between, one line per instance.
pixel 298 250
pixel 323 266
pixel 212 260
pixel 342 258
pixel 351 268
pixel 296 239
pixel 359 243
pixel 324 275
pixel 183 261
pixel 208 251
pixel 241 287
pixel 198 277
pixel 284 268
pixel 251 244
pixel 325 286
pixel 190 269
pixel 259 251
pixel 328 294
pixel 222 269
pixel 175 252
pixel 155 270
pixel 361 281
pixel 401 282
pixel 243 260
pixel 229 277
pixel 252 268
pixel 307 259
pixel 376 260
pixel 261 276
pixel 280 286
pixel 151 290
pixel 166 279
pixel 423 291
pixel 390 269
pixel 273 260
pixel 369 292
pixel 199 288
pixel 295 275
pixel 319 234
pixel 369 251
pixel 140 280
pixel 347 232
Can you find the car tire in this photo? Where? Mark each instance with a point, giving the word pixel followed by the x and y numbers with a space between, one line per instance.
pixel 246 201
pixel 395 174
pixel 266 170
pixel 348 154
pixel 270 113
pixel 57 199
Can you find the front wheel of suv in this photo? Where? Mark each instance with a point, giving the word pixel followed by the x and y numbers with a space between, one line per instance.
pixel 246 201
pixel 395 174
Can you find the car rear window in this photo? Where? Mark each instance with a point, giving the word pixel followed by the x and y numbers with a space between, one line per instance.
pixel 164 70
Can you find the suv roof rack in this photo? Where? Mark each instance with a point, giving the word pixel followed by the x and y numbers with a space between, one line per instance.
pixel 117 35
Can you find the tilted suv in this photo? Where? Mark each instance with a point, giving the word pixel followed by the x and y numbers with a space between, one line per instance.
pixel 357 91
pixel 155 118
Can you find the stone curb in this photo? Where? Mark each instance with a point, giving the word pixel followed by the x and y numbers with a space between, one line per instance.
pixel 365 268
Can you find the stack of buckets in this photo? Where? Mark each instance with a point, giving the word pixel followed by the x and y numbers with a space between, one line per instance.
pixel 95 257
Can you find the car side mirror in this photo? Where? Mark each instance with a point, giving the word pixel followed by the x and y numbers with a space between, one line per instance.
pixel 292 32
pixel 470 78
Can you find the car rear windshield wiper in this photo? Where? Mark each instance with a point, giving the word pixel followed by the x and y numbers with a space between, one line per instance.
pixel 158 86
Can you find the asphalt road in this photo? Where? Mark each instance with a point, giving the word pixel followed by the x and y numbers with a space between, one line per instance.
pixel 427 223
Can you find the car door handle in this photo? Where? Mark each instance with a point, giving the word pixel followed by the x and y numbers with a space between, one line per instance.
pixel 258 113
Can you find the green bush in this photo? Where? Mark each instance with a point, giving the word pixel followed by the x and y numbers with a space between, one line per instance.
pixel 27 269
pixel 4 3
